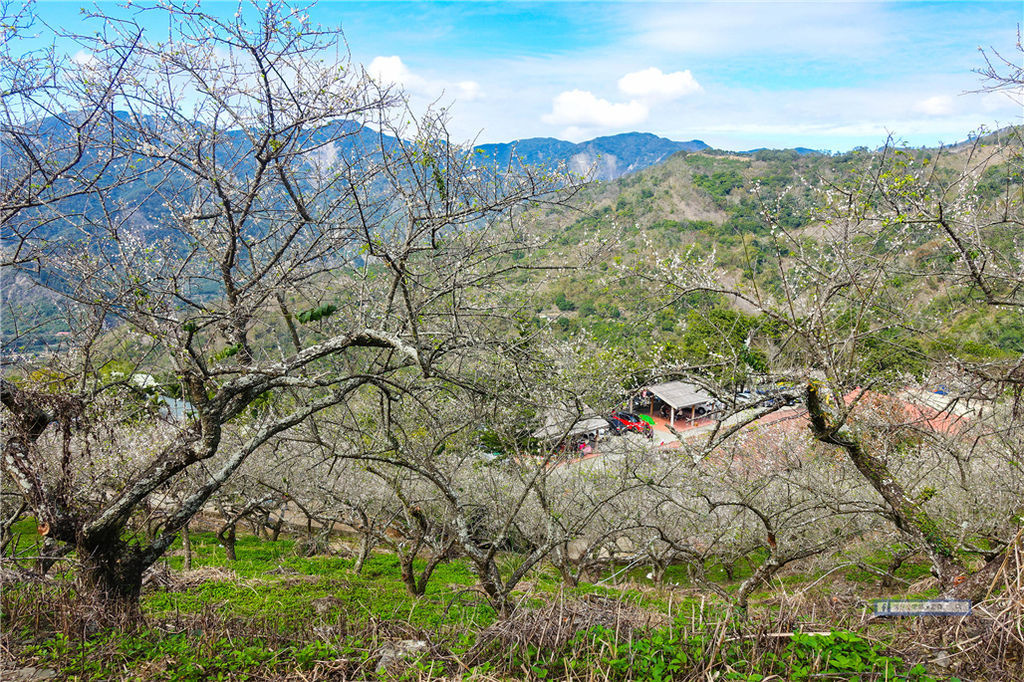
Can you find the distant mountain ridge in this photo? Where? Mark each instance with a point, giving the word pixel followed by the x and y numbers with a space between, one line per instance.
pixel 798 150
pixel 603 158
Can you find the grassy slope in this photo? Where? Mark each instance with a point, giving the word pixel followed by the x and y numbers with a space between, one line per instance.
pixel 275 615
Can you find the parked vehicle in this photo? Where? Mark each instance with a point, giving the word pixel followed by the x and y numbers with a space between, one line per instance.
pixel 623 422
pixel 761 396
pixel 773 393
pixel 744 398
pixel 716 409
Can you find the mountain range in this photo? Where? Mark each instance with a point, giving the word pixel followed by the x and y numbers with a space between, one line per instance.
pixel 603 158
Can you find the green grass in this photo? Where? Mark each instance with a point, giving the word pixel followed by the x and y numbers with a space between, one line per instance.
pixel 282 613
pixel 275 614
pixel 254 556
pixel 277 586
pixel 27 540
pixel 911 570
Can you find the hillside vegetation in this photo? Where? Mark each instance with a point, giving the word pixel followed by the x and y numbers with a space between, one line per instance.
pixel 725 212
pixel 294 388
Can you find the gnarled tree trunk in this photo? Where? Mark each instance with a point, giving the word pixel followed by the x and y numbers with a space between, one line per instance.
pixel 908 514
pixel 110 572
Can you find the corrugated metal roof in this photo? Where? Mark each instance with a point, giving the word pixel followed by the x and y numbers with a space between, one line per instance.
pixel 565 421
pixel 680 394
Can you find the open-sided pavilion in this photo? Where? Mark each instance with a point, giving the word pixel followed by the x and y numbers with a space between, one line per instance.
pixel 677 398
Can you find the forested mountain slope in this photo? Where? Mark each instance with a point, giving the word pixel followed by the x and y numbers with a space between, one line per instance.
pixel 603 158
pixel 740 215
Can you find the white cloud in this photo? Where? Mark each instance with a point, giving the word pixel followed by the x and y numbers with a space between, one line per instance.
pixel 85 59
pixel 826 118
pixel 388 70
pixel 468 90
pixel 759 27
pixel 939 105
pixel 583 108
pixel 576 134
pixel 1004 100
pixel 820 75
pixel 653 84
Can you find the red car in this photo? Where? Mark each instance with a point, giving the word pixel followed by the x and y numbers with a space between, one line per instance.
pixel 621 422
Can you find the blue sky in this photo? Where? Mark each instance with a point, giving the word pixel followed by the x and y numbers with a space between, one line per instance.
pixel 737 75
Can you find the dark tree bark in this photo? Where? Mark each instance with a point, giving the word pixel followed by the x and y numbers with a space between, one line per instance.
pixel 366 544
pixel 226 535
pixel 186 546
pixel 908 514
pixel 50 553
pixel 111 571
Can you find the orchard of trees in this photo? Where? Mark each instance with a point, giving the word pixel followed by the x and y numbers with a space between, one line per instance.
pixel 245 286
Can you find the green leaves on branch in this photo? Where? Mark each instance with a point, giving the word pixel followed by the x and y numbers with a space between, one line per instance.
pixel 227 352
pixel 427 159
pixel 316 314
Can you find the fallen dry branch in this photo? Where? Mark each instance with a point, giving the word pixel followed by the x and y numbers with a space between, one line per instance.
pixel 554 625
pixel 162 578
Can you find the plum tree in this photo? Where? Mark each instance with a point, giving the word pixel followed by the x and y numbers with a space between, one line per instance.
pixel 283 233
